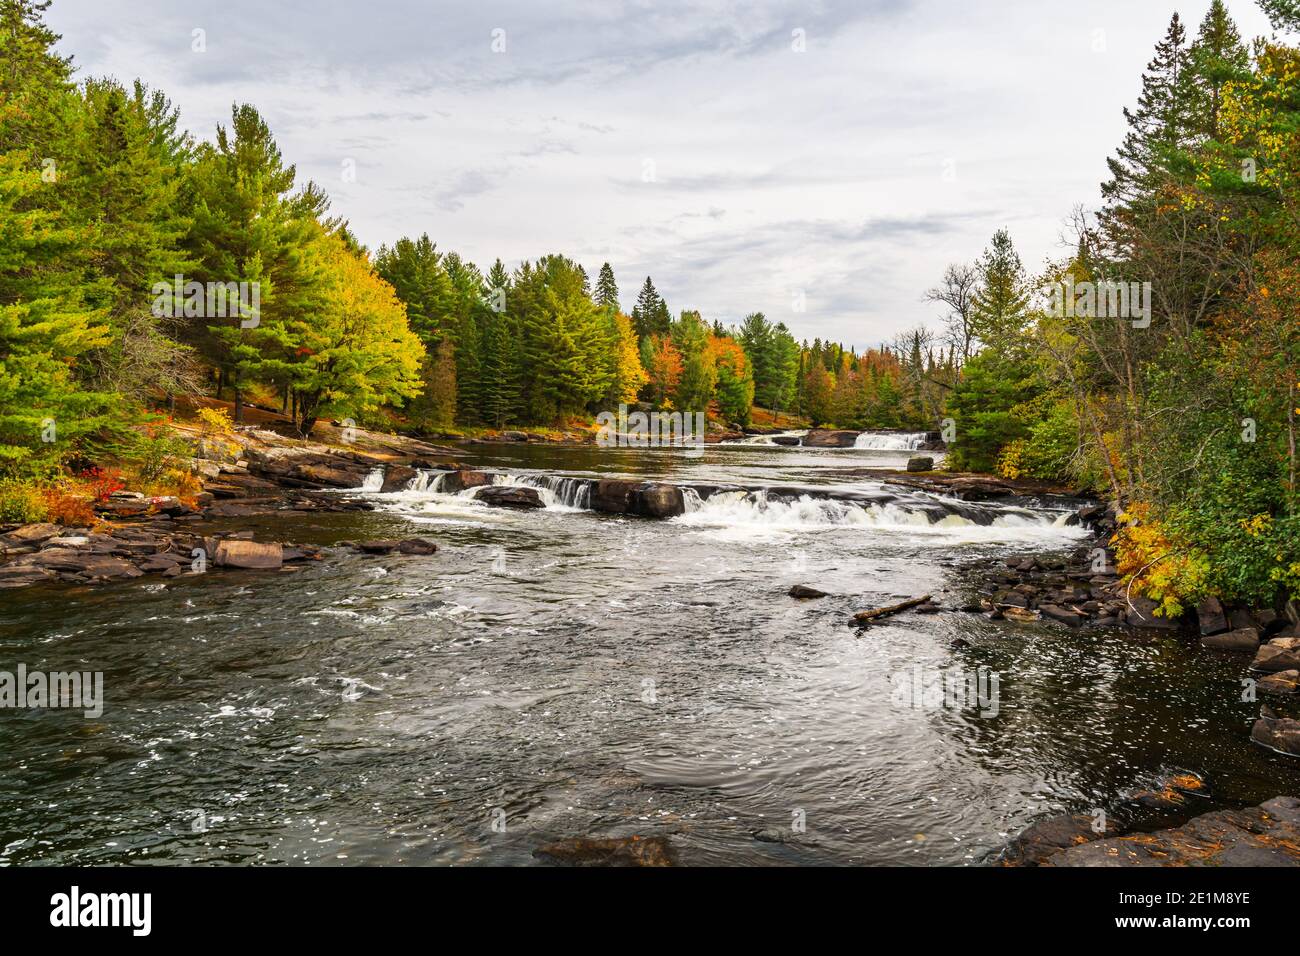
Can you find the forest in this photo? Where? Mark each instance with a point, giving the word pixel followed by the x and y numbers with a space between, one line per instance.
pixel 1187 421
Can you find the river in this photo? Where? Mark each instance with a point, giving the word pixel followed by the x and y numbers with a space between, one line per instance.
pixel 558 673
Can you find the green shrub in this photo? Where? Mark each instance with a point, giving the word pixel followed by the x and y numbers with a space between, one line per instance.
pixel 21 502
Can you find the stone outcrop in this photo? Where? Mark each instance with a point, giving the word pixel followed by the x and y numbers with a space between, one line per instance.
pixel 830 438
pixel 1267 835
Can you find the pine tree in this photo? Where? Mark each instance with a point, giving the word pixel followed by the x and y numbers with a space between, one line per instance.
pixel 1157 127
pixel 650 316
pixel 998 308
pixel 1216 58
pixel 607 289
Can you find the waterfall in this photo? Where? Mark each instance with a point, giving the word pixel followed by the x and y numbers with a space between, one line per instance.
pixel 426 482
pixel 892 441
pixel 761 508
pixel 373 481
pixel 556 491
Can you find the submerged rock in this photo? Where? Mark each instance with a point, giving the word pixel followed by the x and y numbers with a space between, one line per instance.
pixel 616 851
pixel 416 546
pixel 804 592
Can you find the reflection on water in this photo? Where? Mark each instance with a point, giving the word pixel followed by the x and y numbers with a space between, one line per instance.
pixel 582 674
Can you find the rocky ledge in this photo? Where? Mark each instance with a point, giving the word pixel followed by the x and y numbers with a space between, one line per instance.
pixel 1266 835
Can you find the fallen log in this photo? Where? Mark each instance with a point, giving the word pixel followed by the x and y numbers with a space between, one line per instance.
pixel 866 617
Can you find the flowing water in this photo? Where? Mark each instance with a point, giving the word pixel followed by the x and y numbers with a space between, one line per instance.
pixel 557 673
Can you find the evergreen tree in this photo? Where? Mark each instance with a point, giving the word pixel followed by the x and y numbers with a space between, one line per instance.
pixel 1216 58
pixel 607 289
pixel 998 309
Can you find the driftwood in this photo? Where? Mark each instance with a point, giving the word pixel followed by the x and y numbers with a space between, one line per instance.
pixel 865 617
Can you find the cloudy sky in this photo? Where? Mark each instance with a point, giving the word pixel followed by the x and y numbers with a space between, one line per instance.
pixel 746 155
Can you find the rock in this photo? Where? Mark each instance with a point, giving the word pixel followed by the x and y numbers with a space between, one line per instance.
pixel 251 555
pixel 1021 614
pixel 1142 613
pixel 1052 835
pixel 377 546
pixel 830 438
pixel 465 478
pixel 622 851
pixel 416 546
pixel 1267 835
pixel 21 576
pixel 397 477
pixel 1278 733
pixel 804 592
pixel 648 499
pixel 1058 613
pixel 30 534
pixel 1279 654
pixel 787 441
pixel 1245 640
pixel 510 496
pixel 87 564
pixel 1283 682
pixel 1211 617
pixel 920 463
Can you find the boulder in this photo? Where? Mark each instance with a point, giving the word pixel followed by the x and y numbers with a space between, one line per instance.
pixel 251 555
pixel 787 441
pixel 416 546
pixel 806 593
pixel 1279 654
pixel 920 463
pixel 1142 613
pixel 377 546
pixel 465 478
pixel 1211 617
pixel 648 499
pixel 1278 733
pixel 397 477
pixel 1064 615
pixel 1283 682
pixel 1052 835
pixel 1245 640
pixel 510 496
pixel 830 438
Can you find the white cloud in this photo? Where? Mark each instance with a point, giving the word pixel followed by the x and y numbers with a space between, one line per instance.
pixel 775 171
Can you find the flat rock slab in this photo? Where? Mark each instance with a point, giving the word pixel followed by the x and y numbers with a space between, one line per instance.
pixel 1244 640
pixel 1267 835
pixel 1049 837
